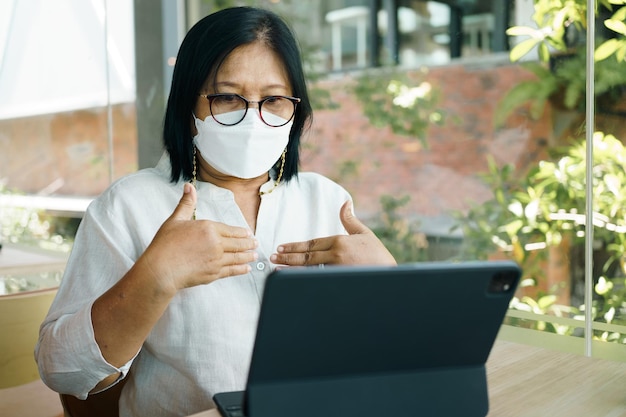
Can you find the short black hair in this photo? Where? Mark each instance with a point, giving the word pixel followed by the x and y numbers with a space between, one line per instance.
pixel 204 48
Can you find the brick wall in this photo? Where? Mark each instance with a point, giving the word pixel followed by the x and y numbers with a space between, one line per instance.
pixel 67 153
pixel 371 162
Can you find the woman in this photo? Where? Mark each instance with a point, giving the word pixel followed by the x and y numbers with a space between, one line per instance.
pixel 172 285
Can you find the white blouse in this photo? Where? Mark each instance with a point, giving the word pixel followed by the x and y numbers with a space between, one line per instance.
pixel 203 342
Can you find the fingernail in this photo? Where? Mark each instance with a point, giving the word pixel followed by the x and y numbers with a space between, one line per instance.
pixel 273 258
pixel 280 249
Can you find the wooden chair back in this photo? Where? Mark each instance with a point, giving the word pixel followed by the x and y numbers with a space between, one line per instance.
pixel 21 315
pixel 103 404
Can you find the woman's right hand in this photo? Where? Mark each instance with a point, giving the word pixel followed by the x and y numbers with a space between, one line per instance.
pixel 183 253
pixel 187 252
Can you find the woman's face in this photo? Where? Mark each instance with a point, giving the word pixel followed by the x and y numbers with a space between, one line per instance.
pixel 253 71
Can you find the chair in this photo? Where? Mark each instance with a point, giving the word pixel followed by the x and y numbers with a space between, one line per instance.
pixel 103 404
pixel 21 315
pixel 22 393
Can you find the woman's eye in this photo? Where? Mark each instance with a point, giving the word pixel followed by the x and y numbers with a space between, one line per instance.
pixel 229 98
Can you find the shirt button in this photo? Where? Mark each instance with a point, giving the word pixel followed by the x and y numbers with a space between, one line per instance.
pixel 260 266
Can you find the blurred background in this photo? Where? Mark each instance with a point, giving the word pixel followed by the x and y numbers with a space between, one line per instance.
pixel 459 127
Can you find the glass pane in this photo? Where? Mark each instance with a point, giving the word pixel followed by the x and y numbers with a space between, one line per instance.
pixel 535 215
pixel 545 225
pixel 477 159
pixel 483 157
pixel 67 115
pixel 609 290
pixel 412 143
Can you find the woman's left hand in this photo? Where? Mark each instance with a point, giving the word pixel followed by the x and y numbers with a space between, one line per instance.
pixel 359 247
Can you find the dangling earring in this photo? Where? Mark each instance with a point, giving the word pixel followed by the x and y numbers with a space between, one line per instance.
pixel 194 173
pixel 194 178
pixel 280 174
pixel 282 168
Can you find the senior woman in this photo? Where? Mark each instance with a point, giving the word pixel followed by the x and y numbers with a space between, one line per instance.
pixel 169 263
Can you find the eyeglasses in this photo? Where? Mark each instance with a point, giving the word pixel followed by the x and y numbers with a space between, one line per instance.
pixel 230 109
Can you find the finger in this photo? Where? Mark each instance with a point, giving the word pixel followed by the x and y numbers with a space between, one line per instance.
pixel 234 270
pixel 298 259
pixel 310 252
pixel 239 258
pixel 296 255
pixel 232 231
pixel 230 245
pixel 187 204
pixel 312 245
pixel 352 225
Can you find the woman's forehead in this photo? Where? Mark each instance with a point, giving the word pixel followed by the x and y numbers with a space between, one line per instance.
pixel 253 64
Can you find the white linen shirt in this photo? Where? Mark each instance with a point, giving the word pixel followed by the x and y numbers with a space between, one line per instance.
pixel 203 342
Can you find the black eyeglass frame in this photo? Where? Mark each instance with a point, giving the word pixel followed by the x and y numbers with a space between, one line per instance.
pixel 211 97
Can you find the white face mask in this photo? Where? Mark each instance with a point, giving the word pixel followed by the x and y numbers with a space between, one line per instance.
pixel 245 150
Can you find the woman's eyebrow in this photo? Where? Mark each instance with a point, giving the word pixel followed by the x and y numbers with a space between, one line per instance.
pixel 264 87
pixel 226 84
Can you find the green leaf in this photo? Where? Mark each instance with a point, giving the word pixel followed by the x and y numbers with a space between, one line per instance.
pixel 558 22
pixel 616 26
pixel 513 227
pixel 620 14
pixel 606 49
pixel 621 52
pixel 546 301
pixel 544 52
pixel 517 96
pixel 536 109
pixel 522 31
pixel 572 96
pixel 523 48
pixel 541 71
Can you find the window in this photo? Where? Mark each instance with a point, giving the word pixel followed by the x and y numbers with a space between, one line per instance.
pixel 412 33
pixel 68 94
pixel 440 161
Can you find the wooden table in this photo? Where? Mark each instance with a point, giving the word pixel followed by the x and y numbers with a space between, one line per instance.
pixel 527 381
pixel 30 400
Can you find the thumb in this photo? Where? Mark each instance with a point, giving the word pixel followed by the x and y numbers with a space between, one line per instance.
pixel 352 225
pixel 187 204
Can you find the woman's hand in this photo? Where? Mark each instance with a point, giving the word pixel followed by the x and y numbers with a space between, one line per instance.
pixel 183 253
pixel 359 247
pixel 187 252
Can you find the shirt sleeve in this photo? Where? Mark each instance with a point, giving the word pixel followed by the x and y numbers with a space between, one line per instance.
pixel 68 357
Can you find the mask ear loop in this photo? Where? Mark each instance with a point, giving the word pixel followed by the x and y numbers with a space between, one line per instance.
pixel 194 177
pixel 280 174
